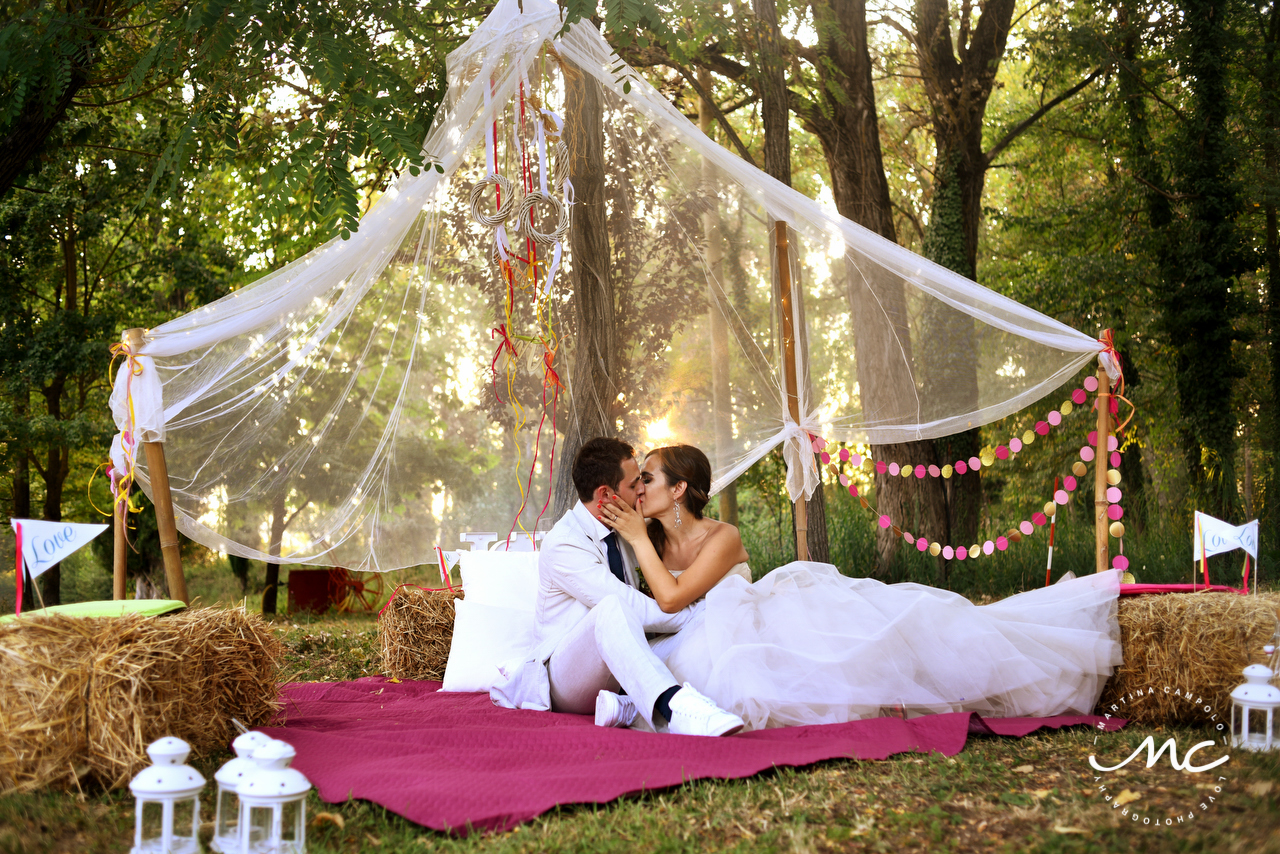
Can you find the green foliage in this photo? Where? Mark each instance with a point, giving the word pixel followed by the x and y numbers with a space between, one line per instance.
pixel 627 22
pixel 317 89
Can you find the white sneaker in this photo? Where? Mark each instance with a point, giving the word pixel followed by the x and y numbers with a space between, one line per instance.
pixel 614 709
pixel 694 714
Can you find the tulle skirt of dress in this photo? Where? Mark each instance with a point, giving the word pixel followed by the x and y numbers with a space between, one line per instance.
pixel 806 645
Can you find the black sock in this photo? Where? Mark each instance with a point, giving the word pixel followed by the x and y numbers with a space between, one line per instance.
pixel 663 705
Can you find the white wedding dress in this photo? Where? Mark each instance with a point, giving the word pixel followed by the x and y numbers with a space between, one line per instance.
pixel 807 645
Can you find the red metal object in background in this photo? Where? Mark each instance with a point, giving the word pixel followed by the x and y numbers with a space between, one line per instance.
pixel 359 591
pixel 314 590
pixel 318 590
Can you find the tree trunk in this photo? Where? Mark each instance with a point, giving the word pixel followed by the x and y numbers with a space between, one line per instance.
pixel 1196 246
pixel 272 584
pixel 847 126
pixel 949 366
pixel 145 588
pixel 57 466
pixel 240 568
pixel 717 314
pixel 58 457
pixel 22 501
pixel 1270 102
pixel 775 112
pixel 1198 306
pixel 958 89
pixel 592 409
pixel 775 115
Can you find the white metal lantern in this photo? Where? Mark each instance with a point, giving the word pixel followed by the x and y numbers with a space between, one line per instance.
pixel 273 803
pixel 226 827
pixel 168 801
pixel 1253 710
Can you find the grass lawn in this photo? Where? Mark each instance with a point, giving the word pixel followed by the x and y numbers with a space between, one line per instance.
pixel 1032 794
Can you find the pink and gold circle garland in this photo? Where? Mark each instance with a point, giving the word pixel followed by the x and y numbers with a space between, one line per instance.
pixel 1025 528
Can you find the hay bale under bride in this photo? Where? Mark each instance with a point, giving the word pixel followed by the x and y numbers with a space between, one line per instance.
pixel 80 698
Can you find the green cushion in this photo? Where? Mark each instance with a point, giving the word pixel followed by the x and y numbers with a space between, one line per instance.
pixel 109 608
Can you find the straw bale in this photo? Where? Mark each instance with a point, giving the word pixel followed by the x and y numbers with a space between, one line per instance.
pixel 1192 643
pixel 415 631
pixel 81 698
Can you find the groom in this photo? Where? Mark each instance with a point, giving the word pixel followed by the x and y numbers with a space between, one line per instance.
pixel 590 620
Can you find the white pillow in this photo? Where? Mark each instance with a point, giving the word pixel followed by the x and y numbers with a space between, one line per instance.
pixel 484 636
pixel 501 579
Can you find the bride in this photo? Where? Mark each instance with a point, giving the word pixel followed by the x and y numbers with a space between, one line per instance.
pixel 807 645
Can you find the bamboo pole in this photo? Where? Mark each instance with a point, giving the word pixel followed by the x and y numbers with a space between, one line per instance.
pixel 789 371
pixel 120 565
pixel 162 498
pixel 1101 530
pixel 158 470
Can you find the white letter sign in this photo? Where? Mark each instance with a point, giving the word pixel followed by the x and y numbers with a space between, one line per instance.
pixel 46 543
pixel 1213 536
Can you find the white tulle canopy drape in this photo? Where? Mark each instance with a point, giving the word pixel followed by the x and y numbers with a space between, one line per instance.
pixel 386 392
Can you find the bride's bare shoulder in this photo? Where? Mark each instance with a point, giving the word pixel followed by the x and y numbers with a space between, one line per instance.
pixel 727 537
pixel 724 530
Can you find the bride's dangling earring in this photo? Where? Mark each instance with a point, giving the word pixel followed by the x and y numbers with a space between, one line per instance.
pixel 678 521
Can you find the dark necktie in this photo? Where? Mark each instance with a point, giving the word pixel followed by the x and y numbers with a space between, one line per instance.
pixel 615 556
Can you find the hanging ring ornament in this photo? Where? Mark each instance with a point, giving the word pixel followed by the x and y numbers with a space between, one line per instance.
pixel 524 226
pixel 507 192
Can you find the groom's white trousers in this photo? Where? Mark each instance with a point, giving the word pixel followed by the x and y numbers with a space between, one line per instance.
pixel 607 650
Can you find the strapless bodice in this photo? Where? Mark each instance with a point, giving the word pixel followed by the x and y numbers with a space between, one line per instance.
pixel 742 570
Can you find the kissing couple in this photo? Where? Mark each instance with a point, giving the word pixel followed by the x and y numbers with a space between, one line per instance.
pixel 711 653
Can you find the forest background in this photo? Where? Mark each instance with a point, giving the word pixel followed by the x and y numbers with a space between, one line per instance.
pixel 1113 165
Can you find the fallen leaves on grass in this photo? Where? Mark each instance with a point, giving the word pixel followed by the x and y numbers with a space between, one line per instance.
pixel 329 818
pixel 1024 769
pixel 1259 790
pixel 1127 796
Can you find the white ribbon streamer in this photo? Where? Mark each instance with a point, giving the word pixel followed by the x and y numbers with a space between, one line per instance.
pixel 490 140
pixel 797 451
pixel 1109 364
pixel 148 401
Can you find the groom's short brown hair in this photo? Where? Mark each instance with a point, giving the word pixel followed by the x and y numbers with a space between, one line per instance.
pixel 599 463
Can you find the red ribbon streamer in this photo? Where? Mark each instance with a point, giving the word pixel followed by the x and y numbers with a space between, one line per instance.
pixel 549 377
pixel 403 586
pixel 17 599
pixel 444 570
pixel 1108 342
pixel 505 343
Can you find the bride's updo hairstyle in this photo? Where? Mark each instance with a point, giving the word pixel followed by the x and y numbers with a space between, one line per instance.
pixel 682 463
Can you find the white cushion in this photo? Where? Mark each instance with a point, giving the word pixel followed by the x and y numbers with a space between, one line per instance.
pixel 500 579
pixel 484 636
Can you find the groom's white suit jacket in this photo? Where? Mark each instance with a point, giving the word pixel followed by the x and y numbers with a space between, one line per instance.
pixel 573 576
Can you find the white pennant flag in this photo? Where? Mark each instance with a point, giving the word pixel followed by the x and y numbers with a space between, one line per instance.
pixel 1213 536
pixel 46 543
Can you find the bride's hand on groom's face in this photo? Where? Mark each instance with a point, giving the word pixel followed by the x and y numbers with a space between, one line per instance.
pixel 625 520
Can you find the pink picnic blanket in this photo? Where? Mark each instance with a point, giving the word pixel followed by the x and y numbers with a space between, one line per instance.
pixel 456 762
